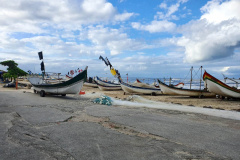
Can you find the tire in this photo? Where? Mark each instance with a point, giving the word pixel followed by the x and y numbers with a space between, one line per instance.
pixel 153 94
pixel 42 93
pixel 34 91
pixel 63 95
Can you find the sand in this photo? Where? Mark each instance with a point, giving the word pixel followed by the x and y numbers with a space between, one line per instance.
pixel 215 103
pixel 181 100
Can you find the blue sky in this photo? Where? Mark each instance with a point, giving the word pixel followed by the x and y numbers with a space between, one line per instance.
pixel 155 39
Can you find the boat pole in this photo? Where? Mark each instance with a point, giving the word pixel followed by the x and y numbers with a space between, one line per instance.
pixel 201 79
pixel 191 78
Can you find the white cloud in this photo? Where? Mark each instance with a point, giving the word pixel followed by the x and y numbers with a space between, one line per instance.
pixel 170 10
pixel 155 26
pixel 225 69
pixel 161 22
pixel 163 5
pixel 207 39
pixel 216 12
pixel 113 40
pixel 31 16
pixel 123 16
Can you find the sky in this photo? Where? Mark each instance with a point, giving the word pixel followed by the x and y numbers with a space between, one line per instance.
pixel 147 38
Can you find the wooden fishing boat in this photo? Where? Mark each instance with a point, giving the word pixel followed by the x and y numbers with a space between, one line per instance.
pixel 139 88
pixel 91 83
pixel 131 88
pixel 109 88
pixel 218 87
pixel 171 90
pixel 94 85
pixel 106 83
pixel 72 86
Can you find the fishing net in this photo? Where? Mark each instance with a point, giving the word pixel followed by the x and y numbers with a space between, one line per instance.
pixel 105 100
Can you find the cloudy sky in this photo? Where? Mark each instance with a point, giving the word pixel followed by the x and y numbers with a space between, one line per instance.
pixel 147 38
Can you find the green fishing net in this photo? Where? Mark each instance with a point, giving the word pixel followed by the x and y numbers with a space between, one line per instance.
pixel 105 100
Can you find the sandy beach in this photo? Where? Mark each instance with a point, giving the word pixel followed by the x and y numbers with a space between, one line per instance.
pixel 215 103
pixel 181 100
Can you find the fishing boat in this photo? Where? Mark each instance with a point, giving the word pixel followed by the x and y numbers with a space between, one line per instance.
pixel 171 90
pixel 94 85
pixel 72 86
pixel 108 88
pixel 106 83
pixel 91 83
pixel 139 88
pixel 218 87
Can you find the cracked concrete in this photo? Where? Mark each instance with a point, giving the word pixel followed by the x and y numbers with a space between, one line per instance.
pixel 74 128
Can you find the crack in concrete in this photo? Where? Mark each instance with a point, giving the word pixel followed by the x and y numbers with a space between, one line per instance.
pixel 180 150
pixel 26 135
pixel 23 133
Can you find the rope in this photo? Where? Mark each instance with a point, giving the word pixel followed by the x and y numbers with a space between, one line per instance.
pixel 187 75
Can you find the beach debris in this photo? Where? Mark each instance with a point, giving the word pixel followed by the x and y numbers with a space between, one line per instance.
pixel 105 100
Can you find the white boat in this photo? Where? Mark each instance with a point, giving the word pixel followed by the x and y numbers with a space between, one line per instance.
pixel 94 85
pixel 91 83
pixel 109 88
pixel 171 90
pixel 106 83
pixel 218 87
pixel 72 86
pixel 139 88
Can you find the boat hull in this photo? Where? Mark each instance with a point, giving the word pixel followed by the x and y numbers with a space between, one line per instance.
pixel 109 88
pixel 104 83
pixel 94 85
pixel 184 92
pixel 72 86
pixel 218 87
pixel 140 90
pixel 72 89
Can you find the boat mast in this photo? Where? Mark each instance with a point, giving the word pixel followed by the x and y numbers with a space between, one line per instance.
pixel 191 78
pixel 201 78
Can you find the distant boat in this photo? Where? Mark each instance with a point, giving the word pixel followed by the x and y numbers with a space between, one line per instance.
pixel 91 83
pixel 106 83
pixel 139 87
pixel 68 77
pixel 108 88
pixel 72 86
pixel 218 87
pixel 179 85
pixel 94 85
pixel 171 90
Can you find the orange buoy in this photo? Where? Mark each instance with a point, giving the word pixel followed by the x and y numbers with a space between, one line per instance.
pixel 82 92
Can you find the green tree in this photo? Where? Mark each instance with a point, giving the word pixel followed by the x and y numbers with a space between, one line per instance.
pixel 13 70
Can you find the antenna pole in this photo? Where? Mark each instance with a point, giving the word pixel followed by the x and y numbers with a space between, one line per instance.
pixel 191 78
pixel 201 79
